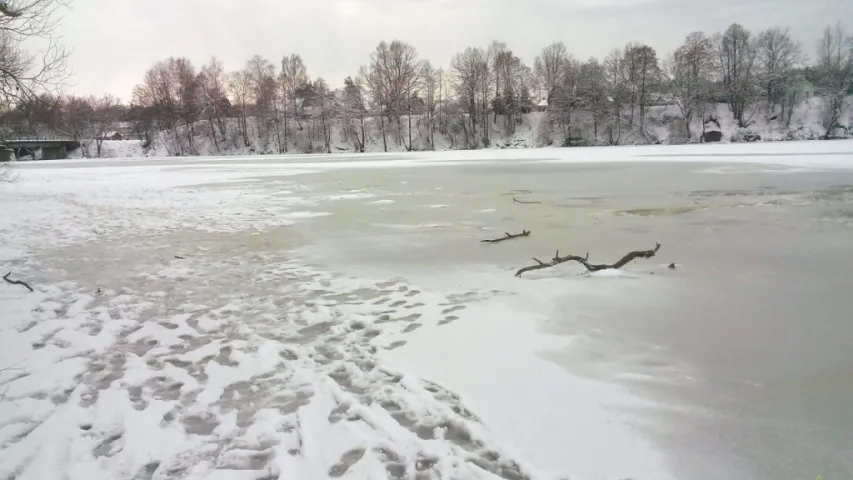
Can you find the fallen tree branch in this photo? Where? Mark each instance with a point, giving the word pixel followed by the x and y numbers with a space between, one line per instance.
pixel 522 201
pixel 553 263
pixel 557 260
pixel 508 236
pixel 17 282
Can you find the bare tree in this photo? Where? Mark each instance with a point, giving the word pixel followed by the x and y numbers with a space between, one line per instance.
pixel 778 54
pixel 188 97
pixel 736 65
pixel 159 93
pixel 564 99
pixel 240 87
pixel 619 94
pixel 371 80
pixel 592 92
pixel 324 110
pixel 792 91
pixel 690 69
pixel 469 69
pixel 522 81
pixel 353 111
pixel 294 75
pixel 549 66
pixel 77 122
pixel 834 71
pixel 105 115
pixel 263 93
pixel 507 67
pixel 213 97
pixel 396 67
pixel 393 78
pixel 644 75
pixel 430 84
pixel 37 116
pixel 24 74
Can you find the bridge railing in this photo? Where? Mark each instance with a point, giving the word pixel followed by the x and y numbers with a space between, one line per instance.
pixel 36 139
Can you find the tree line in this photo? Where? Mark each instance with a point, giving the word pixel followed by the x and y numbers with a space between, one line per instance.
pixel 400 101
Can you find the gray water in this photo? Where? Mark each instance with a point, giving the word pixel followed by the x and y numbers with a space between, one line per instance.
pixel 758 310
pixel 748 339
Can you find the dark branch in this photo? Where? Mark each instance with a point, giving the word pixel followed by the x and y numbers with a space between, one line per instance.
pixel 553 263
pixel 522 201
pixel 17 282
pixel 624 260
pixel 507 236
pixel 557 260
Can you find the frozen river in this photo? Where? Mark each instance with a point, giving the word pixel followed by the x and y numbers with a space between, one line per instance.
pixel 330 316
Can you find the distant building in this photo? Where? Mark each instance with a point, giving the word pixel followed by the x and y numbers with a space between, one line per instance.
pixel 713 131
pixel 542 105
pixel 112 136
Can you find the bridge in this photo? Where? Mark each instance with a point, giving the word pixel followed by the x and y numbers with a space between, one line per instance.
pixel 51 148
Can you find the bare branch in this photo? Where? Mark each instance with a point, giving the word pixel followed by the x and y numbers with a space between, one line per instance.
pixel 508 236
pixel 17 282
pixel 557 260
pixel 24 74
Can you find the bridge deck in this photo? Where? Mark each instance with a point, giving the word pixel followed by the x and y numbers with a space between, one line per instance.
pixel 39 143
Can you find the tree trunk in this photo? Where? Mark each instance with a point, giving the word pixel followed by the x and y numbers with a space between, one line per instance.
pixel 410 130
pixel 326 137
pixel 361 118
pixel 643 104
pixel 382 128
pixel 687 124
pixel 284 119
pixel 212 131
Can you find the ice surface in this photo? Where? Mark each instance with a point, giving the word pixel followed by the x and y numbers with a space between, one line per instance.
pixel 292 318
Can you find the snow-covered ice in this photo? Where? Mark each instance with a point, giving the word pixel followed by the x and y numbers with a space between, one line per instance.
pixel 278 318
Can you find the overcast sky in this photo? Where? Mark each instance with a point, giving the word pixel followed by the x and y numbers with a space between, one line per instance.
pixel 115 41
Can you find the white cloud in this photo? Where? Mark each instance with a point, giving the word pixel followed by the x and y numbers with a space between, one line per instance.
pixel 115 41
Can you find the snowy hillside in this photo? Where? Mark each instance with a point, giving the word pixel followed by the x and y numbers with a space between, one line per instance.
pixel 663 125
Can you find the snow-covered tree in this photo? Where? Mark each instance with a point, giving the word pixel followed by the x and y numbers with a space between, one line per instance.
pixel 834 73
pixel 549 67
pixel 736 54
pixel 617 74
pixel 105 115
pixel 470 73
pixel 240 88
pixel 778 56
pixel 352 113
pixel 592 93
pixel 294 75
pixel 213 98
pixel 690 69
pixel 644 77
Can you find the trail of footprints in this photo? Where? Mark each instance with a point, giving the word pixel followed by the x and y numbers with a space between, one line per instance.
pixel 342 350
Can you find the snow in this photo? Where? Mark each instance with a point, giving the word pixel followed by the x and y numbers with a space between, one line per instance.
pixel 175 331
pixel 663 124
